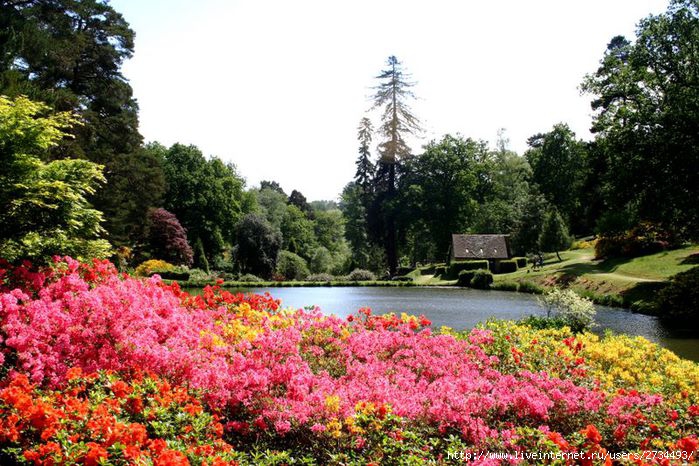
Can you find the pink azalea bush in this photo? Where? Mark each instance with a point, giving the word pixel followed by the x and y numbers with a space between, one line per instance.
pixel 294 374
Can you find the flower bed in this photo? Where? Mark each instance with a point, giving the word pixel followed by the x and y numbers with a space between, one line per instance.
pixel 103 367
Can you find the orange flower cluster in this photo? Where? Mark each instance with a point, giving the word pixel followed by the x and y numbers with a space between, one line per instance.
pixel 100 417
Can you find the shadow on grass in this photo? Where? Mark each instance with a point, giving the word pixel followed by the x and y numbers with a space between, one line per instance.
pixel 605 266
pixel 641 296
pixel 691 259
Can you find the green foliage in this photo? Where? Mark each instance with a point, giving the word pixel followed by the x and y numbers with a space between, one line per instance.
pixel 69 54
pixel 296 198
pixel 249 278
pixel 258 245
pixel 455 268
pixel 291 266
pixel 507 266
pixel 577 312
pixel 298 235
pixel 272 205
pixel 43 206
pixel 558 162
pixel 440 271
pixel 680 299
pixel 509 178
pixel 442 187
pixel 521 261
pixel 525 237
pixel 320 277
pixel 482 279
pixel 365 254
pixel 135 184
pixel 544 323
pixel 205 195
pixel 465 277
pixel 644 238
pixel 321 260
pixel 200 259
pixel 529 287
pixel 504 286
pixel 359 275
pixel 554 233
pixel 646 98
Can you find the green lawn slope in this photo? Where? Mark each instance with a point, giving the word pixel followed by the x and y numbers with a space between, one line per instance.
pixel 620 281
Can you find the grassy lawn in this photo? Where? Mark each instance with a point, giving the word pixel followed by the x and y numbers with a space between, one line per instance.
pixel 627 282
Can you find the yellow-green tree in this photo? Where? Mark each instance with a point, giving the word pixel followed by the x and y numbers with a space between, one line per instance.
pixel 44 209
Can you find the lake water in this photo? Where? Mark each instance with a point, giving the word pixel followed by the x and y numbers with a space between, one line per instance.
pixel 463 308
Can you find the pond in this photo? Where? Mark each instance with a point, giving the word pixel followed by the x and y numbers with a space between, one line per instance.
pixel 463 308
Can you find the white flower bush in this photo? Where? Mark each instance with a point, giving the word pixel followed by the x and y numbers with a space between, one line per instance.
pixel 576 311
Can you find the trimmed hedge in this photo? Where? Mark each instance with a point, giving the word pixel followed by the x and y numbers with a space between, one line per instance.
pixel 179 275
pixel 456 267
pixel 521 262
pixel 465 277
pixel 507 266
pixel 440 271
pixel 482 279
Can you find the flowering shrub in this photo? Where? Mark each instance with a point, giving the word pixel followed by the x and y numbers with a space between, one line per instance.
pixel 297 387
pixel 150 266
pixel 569 307
pixel 101 417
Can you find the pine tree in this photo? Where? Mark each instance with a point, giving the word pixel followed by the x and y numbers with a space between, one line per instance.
pixel 397 122
pixel 364 177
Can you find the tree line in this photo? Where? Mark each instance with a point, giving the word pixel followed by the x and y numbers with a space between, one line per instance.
pixel 81 181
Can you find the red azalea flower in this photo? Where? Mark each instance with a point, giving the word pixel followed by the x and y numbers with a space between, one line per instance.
pixel 592 434
pixel 688 444
pixel 120 389
pixel 94 454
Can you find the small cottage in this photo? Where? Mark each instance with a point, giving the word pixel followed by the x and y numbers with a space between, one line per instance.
pixel 477 247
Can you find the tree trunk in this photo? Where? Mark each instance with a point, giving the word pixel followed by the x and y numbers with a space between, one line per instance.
pixel 391 247
pixel 559 257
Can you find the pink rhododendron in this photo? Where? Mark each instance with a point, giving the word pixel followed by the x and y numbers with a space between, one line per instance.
pixel 284 370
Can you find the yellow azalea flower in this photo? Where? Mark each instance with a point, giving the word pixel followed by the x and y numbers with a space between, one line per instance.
pixel 332 403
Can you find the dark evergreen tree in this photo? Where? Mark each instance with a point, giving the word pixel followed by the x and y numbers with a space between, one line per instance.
pixel 273 185
pixel 397 122
pixel 299 200
pixel 364 176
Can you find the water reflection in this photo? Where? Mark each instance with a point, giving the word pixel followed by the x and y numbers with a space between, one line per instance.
pixel 461 308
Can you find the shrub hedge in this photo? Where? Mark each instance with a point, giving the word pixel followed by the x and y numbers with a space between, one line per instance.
pixel 456 267
pixel 482 279
pixel 465 277
pixel 507 266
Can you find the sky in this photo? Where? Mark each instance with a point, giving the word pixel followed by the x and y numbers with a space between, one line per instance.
pixel 278 87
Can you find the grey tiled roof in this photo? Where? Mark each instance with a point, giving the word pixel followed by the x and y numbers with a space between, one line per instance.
pixel 480 246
